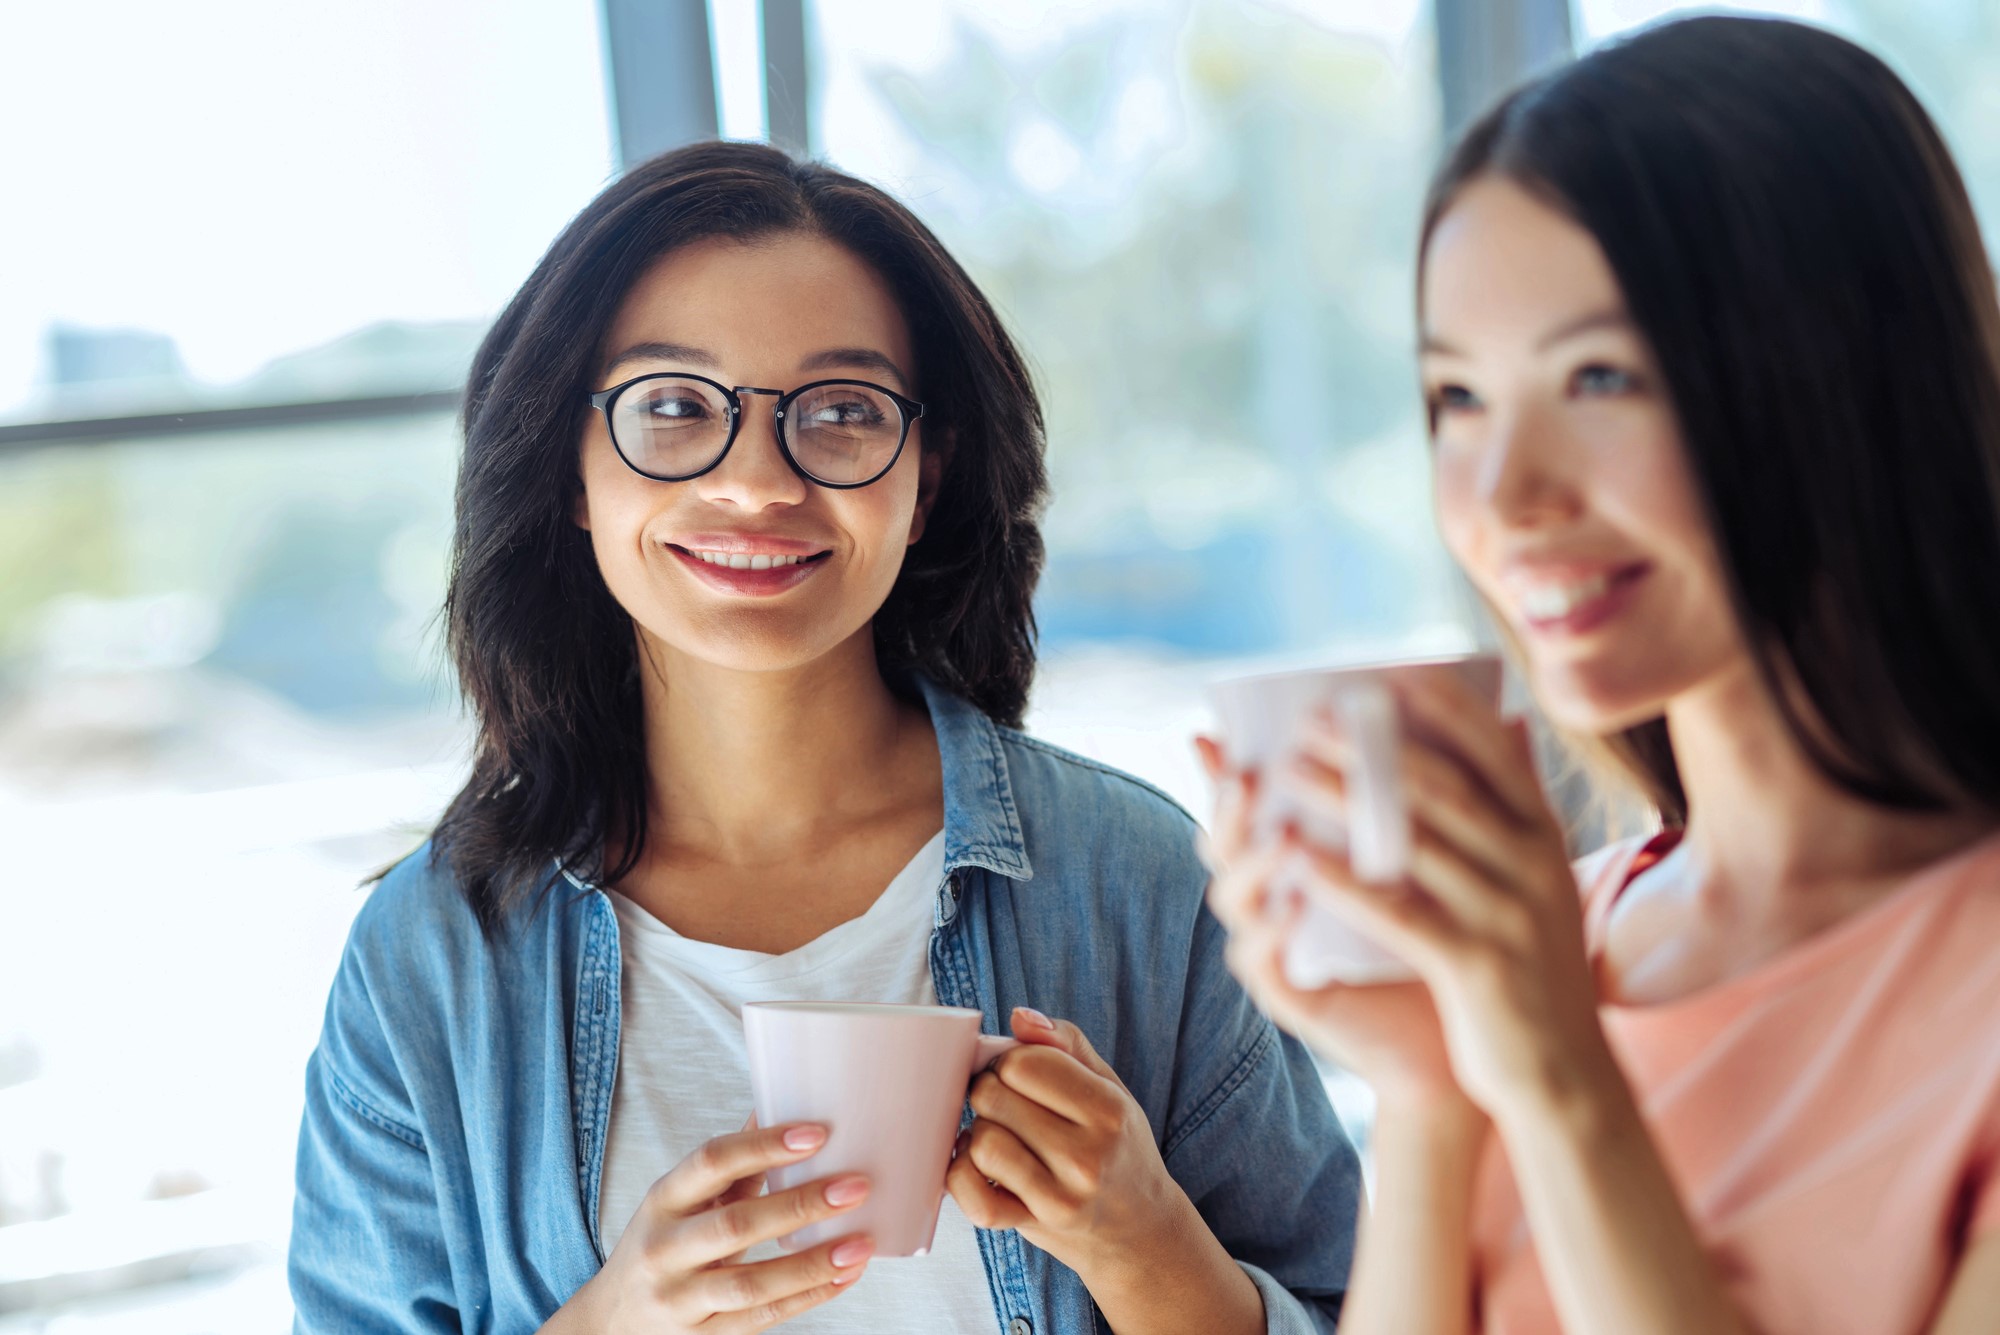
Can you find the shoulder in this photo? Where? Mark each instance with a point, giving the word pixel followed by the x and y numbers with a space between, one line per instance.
pixel 415 921
pixel 1093 833
pixel 1603 871
pixel 1041 770
pixel 418 980
pixel 1089 800
pixel 417 950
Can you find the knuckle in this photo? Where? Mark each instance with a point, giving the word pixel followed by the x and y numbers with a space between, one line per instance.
pixel 736 1288
pixel 707 1159
pixel 731 1225
pixel 1513 923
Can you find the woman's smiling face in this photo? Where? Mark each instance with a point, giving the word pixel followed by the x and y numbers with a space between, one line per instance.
pixel 1562 487
pixel 774 312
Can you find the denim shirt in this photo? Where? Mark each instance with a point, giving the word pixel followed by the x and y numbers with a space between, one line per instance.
pixel 457 1103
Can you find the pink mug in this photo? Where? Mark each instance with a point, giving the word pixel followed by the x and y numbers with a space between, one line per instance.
pixel 1262 718
pixel 888 1083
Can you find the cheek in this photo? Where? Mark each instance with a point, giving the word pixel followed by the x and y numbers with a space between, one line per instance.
pixel 1458 510
pixel 1646 490
pixel 878 518
pixel 615 502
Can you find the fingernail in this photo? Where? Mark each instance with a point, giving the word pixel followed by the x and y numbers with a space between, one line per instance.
pixel 805 1138
pixel 1034 1017
pixel 846 1190
pixel 846 1277
pixel 853 1252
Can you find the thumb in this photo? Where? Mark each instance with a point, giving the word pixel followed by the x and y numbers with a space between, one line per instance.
pixel 1031 1026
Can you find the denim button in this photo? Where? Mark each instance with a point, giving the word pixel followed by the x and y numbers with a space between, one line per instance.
pixel 1020 1325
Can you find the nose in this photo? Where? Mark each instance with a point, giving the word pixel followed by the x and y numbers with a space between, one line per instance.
pixel 1525 477
pixel 754 475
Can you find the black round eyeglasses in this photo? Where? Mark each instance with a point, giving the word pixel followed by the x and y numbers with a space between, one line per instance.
pixel 673 427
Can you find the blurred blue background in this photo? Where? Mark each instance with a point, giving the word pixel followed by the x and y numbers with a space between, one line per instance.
pixel 247 251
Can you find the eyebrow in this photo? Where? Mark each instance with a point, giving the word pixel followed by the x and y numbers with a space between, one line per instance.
pixel 664 352
pixel 1432 345
pixel 842 359
pixel 826 360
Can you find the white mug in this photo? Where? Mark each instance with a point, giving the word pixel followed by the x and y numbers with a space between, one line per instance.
pixel 1262 719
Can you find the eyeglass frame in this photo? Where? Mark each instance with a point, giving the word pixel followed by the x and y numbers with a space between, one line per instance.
pixel 604 400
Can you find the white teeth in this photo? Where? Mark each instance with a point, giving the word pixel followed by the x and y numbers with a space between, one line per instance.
pixel 1552 602
pixel 739 561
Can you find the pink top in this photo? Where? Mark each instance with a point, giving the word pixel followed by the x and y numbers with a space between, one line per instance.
pixel 1832 1118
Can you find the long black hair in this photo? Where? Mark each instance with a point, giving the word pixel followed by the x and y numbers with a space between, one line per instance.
pixel 1793 240
pixel 548 660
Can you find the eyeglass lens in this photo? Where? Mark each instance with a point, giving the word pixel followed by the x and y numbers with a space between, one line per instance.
pixel 840 433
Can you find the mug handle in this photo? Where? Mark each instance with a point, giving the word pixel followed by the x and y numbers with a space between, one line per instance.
pixel 1378 832
pixel 990 1049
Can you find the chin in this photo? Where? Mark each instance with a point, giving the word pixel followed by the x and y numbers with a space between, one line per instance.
pixel 1594 703
pixel 756 651
pixel 744 639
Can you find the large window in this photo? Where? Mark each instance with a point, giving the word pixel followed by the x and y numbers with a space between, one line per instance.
pixel 1197 217
pixel 220 704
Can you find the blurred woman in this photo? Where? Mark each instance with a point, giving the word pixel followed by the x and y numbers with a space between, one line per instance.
pixel 740 600
pixel 1712 358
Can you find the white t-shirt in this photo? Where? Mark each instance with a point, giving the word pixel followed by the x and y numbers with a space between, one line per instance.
pixel 684 1078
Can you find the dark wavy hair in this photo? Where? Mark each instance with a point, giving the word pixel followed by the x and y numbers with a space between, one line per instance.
pixel 548 660
pixel 1794 242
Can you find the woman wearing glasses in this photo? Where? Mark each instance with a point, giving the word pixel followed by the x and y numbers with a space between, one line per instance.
pixel 1712 354
pixel 740 601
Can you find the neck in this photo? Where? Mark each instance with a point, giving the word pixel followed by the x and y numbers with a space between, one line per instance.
pixel 748 767
pixel 1762 818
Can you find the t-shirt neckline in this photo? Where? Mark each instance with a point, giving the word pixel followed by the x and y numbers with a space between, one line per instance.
pixel 1804 957
pixel 908 893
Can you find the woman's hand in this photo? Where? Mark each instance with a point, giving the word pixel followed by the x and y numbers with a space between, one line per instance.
pixel 678 1266
pixel 1060 1150
pixel 1489 914
pixel 1386 1033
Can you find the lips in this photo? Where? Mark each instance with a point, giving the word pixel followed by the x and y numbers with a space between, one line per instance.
pixel 749 567
pixel 1570 600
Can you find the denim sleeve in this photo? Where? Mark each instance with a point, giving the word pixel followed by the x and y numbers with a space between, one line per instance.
pixel 1257 1147
pixel 368 1255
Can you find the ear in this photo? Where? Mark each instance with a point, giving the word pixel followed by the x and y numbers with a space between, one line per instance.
pixel 931 462
pixel 579 507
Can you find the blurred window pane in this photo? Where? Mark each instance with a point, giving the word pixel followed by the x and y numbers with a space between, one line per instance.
pixel 1199 219
pixel 222 201
pixel 221 696
pixel 220 707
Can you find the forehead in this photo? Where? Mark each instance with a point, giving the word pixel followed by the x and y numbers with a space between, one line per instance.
pixel 771 298
pixel 1500 260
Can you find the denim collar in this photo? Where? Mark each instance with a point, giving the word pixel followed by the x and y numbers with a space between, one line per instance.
pixel 981 826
